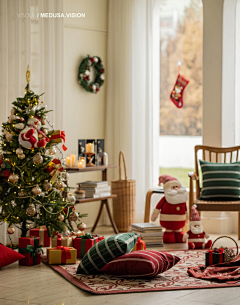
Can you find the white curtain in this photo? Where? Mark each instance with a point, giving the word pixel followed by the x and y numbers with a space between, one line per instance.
pixel 28 39
pixel 132 110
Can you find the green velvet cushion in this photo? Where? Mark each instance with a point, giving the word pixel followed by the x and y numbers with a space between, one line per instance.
pixel 220 181
pixel 105 251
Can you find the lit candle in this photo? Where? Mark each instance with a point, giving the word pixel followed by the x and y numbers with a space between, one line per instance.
pixel 81 163
pixel 89 147
pixel 69 161
pixel 73 160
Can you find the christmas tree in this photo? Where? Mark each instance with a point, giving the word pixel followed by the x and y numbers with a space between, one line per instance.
pixel 31 179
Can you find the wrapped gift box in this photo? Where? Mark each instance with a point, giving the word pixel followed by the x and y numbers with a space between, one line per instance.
pixel 61 255
pixel 140 245
pixel 31 249
pixel 63 241
pixel 42 233
pixel 213 257
pixel 84 243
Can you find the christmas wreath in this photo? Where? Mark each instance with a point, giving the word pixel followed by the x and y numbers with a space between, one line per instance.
pixel 84 72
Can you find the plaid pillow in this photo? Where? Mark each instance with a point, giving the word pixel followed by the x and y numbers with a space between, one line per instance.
pixel 221 181
pixel 105 251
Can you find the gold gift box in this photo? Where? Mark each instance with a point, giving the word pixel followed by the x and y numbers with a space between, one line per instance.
pixel 54 256
pixel 57 139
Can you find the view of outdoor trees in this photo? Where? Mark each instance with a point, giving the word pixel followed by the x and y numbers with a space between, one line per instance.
pixel 181 40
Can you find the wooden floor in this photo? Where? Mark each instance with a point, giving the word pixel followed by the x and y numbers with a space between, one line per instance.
pixel 41 285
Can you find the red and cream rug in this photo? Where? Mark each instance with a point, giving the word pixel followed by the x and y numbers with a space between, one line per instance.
pixel 173 279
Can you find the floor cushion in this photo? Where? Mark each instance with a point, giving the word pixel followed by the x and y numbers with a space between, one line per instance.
pixel 143 263
pixel 105 251
pixel 8 256
pixel 220 181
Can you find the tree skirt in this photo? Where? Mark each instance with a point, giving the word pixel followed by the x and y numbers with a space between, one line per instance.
pixel 173 279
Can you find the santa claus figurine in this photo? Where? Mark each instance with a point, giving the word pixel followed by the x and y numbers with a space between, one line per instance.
pixel 172 209
pixel 197 238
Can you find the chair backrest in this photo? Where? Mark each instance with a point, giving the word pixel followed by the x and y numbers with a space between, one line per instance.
pixel 214 154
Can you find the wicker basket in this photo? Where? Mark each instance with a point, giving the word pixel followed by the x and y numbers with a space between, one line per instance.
pixel 124 204
pixel 229 254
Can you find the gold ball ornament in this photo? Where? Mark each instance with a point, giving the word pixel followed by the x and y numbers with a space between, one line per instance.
pixel 60 217
pixel 60 185
pixel 22 193
pixel 71 198
pixel 13 178
pixel 73 216
pixel 9 136
pixel 22 156
pixel 36 190
pixel 81 226
pixel 52 151
pixel 31 210
pixel 47 186
pixel 19 151
pixel 10 230
pixel 37 159
pixel 44 121
pixel 45 131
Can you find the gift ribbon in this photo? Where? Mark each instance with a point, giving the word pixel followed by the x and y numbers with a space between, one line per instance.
pixel 210 256
pixel 55 172
pixel 84 241
pixel 220 251
pixel 66 254
pixel 62 136
pixel 32 250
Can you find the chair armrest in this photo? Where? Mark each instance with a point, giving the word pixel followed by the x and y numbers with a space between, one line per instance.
pixel 193 176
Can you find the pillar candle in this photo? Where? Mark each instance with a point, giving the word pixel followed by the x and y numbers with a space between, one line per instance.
pixel 69 162
pixel 73 160
pixel 89 147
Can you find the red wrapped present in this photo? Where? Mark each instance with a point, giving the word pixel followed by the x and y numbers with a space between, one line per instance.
pixel 61 255
pixel 84 243
pixel 31 249
pixel 5 167
pixel 54 168
pixel 140 245
pixel 41 232
pixel 57 137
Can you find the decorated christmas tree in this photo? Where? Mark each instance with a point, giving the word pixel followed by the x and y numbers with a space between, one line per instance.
pixel 32 181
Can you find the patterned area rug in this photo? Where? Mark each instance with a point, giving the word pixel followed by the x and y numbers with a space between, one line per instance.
pixel 173 279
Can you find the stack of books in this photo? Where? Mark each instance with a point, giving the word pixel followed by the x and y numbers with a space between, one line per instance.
pixel 152 234
pixel 95 189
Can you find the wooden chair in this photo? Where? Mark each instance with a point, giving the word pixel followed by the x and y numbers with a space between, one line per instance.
pixel 218 155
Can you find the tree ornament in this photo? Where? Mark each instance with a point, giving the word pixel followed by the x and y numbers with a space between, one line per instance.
pixel 5 167
pixel 71 198
pixel 44 120
pixel 11 118
pixel 66 232
pixel 52 151
pixel 19 151
pixel 45 131
pixel 61 217
pixel 83 74
pixel 9 136
pixel 47 186
pixel 19 126
pixel 1 156
pixel 10 230
pixel 37 159
pixel 60 185
pixel 36 190
pixel 22 156
pixel 64 176
pixel 81 226
pixel 13 178
pixel 12 111
pixel 73 216
pixel 28 137
pixel 22 193
pixel 31 210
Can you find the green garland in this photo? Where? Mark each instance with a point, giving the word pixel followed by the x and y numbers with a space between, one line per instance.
pixel 84 72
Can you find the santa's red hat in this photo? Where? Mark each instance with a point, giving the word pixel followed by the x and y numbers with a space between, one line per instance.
pixel 194 218
pixel 168 181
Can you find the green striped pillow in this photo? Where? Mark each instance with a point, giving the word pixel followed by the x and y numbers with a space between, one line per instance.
pixel 220 181
pixel 105 251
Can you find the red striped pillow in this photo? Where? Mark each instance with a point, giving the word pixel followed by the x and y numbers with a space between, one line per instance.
pixel 143 263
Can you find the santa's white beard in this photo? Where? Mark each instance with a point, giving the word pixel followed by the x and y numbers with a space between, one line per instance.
pixel 195 230
pixel 176 196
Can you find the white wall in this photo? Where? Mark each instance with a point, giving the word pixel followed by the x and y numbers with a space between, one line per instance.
pixel 84 112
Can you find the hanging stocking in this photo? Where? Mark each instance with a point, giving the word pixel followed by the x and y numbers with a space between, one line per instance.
pixel 176 95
